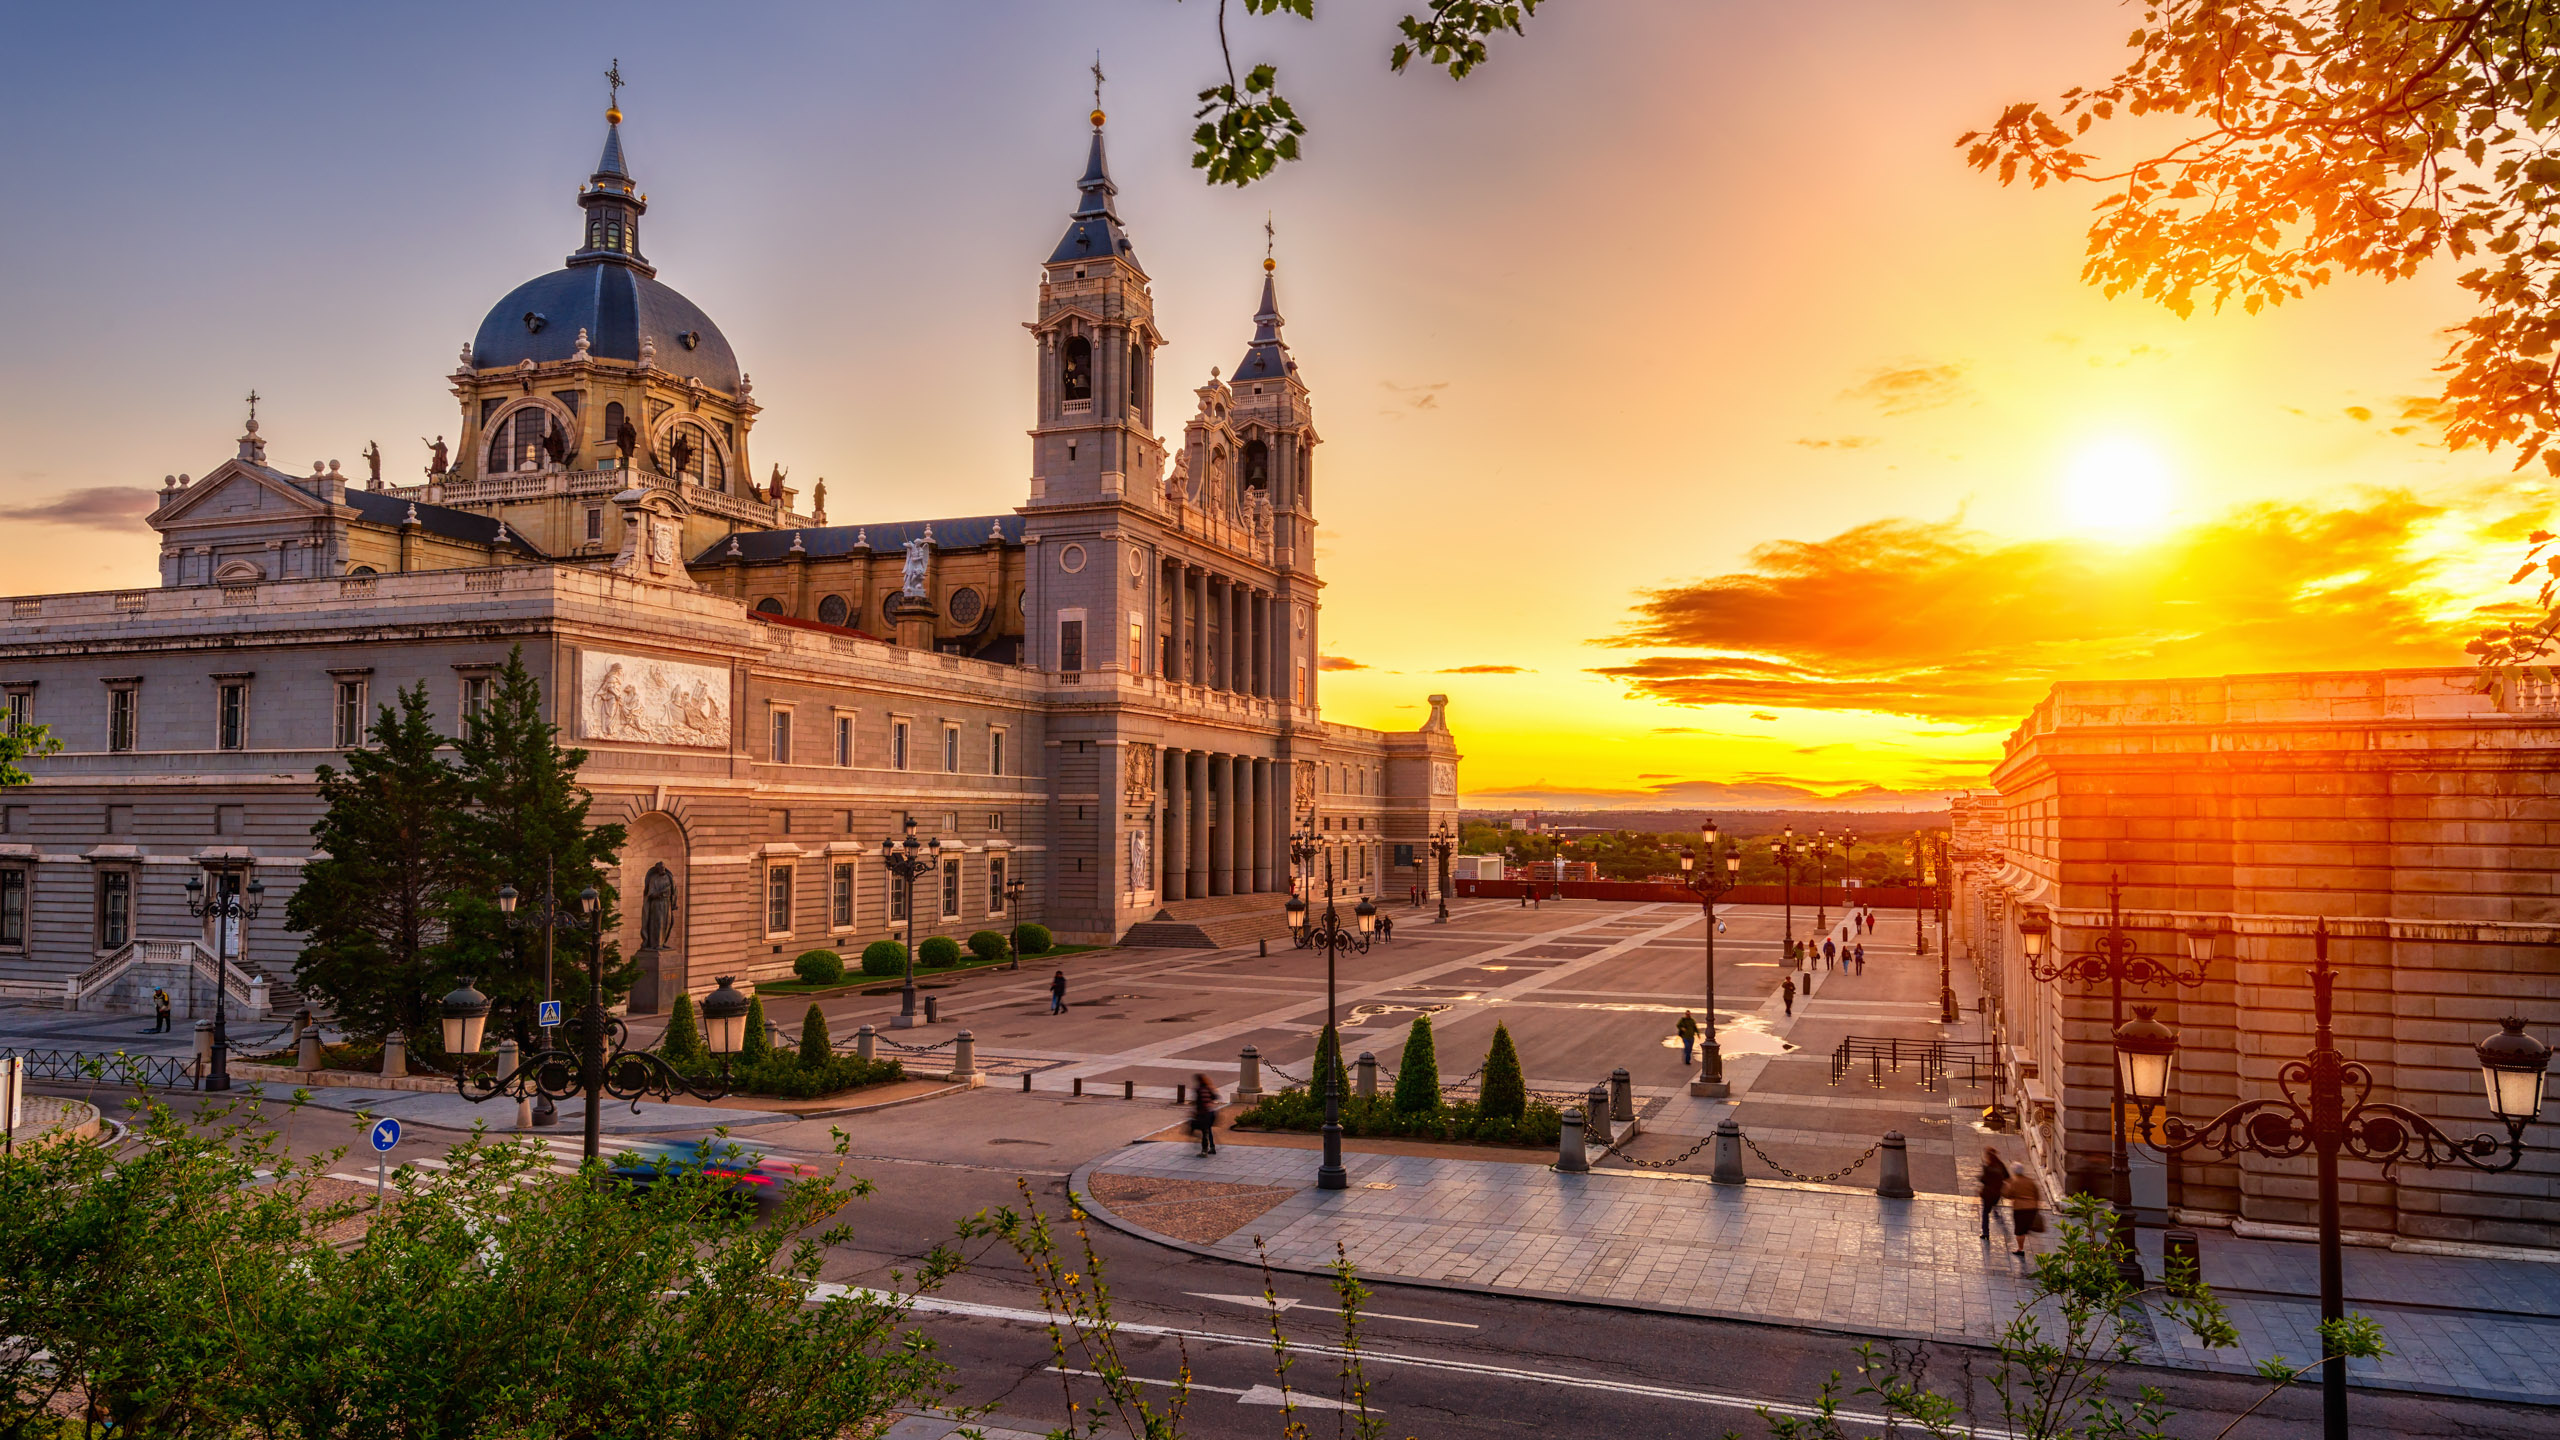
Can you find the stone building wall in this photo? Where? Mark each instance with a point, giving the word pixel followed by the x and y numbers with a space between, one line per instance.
pixel 2410 811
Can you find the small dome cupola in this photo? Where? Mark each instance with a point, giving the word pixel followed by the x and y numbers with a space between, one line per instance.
pixel 613 206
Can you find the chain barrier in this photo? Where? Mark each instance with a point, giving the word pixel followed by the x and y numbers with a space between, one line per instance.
pixel 917 1049
pixel 1612 1148
pixel 1285 1075
pixel 1462 1080
pixel 1870 1154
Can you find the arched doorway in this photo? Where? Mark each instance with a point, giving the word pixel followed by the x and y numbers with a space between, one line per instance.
pixel 656 839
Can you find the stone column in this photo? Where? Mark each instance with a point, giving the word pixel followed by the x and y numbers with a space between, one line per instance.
pixel 1196 786
pixel 1169 851
pixel 1262 878
pixel 1195 595
pixel 1245 827
pixel 1240 669
pixel 1169 581
pixel 1262 644
pixel 1222 829
pixel 1213 631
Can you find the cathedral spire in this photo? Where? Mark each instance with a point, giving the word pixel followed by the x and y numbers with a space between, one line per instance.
pixel 1093 232
pixel 611 198
pixel 1268 356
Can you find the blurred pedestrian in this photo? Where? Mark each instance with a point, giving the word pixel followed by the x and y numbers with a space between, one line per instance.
pixel 2026 1209
pixel 1859 953
pixel 159 1012
pixel 1688 1028
pixel 1830 948
pixel 1994 1178
pixel 1204 1114
pixel 1058 993
pixel 1787 990
pixel 1386 927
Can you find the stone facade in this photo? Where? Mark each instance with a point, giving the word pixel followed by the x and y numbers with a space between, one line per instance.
pixel 1109 694
pixel 2412 811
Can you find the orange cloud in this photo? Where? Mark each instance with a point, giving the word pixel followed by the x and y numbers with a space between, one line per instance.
pixel 1909 389
pixel 1944 623
pixel 1486 670
pixel 1339 662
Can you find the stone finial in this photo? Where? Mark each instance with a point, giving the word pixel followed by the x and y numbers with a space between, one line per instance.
pixel 582 343
pixel 648 352
pixel 183 481
pixel 466 355
pixel 734 552
pixel 333 470
pixel 796 547
pixel 501 537
pixel 746 385
pixel 168 483
pixel 928 532
pixel 862 538
pixel 413 514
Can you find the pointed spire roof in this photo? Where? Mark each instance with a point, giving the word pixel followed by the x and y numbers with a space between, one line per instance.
pixel 1268 356
pixel 611 165
pixel 613 205
pixel 1094 232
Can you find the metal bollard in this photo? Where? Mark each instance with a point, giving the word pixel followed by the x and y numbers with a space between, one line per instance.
pixel 1622 1095
pixel 1078 1091
pixel 1181 1094
pixel 1893 1168
pixel 1266 949
pixel 1595 1115
pixel 964 1058
pixel 1569 1151
pixel 932 1010
pixel 204 1042
pixel 1729 1154
pixel 866 1042
pixel 1365 1078
pixel 1128 1089
pixel 2181 1260
pixel 1026 1082
pixel 1248 1075
pixel 395 1055
pixel 309 1057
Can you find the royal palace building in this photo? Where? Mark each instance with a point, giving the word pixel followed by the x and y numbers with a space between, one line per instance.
pixel 1109 694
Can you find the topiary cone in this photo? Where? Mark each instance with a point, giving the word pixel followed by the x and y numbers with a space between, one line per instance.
pixel 682 1044
pixel 755 1046
pixel 815 1048
pixel 1418 1072
pixel 1505 1095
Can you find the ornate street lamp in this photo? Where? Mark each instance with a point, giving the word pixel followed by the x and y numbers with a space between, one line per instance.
pixel 1443 845
pixel 2117 964
pixel 1788 857
pixel 1328 934
pixel 724 1019
pixel 2315 1115
pixel 1929 861
pixel 229 905
pixel 1014 885
pixel 909 860
pixel 552 918
pixel 1710 881
pixel 590 1070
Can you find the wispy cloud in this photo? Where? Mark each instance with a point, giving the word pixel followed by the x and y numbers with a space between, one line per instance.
pixel 1484 670
pixel 1838 442
pixel 1748 793
pixel 1424 396
pixel 1339 662
pixel 1909 389
pixel 104 507
pixel 1945 623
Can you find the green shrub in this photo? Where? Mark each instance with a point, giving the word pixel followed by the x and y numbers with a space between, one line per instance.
pixel 784 1075
pixel 819 967
pixel 1505 1093
pixel 814 1046
pixel 938 951
pixel 884 957
pixel 1032 939
pixel 1328 1059
pixel 1418 1072
pixel 987 945
pixel 755 1046
pixel 1376 1115
pixel 682 1044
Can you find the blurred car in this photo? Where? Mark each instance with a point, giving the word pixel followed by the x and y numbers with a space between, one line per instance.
pixel 751 1170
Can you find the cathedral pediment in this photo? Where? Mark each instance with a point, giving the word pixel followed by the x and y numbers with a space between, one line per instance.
pixel 237 490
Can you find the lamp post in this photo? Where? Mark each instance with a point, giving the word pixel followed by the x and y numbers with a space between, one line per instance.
pixel 1788 858
pixel 591 1070
pixel 2117 964
pixel 2315 1114
pixel 1326 933
pixel 229 904
pixel 908 860
pixel 1929 860
pixel 1820 849
pixel 1443 845
pixel 1014 885
pixel 1710 880
pixel 553 919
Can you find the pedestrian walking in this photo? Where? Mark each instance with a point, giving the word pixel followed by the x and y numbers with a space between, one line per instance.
pixel 1995 1177
pixel 1058 993
pixel 1204 1114
pixel 1861 958
pixel 1787 991
pixel 1386 927
pixel 1829 949
pixel 159 1012
pixel 1524 894
pixel 1417 897
pixel 2026 1209
pixel 1688 1028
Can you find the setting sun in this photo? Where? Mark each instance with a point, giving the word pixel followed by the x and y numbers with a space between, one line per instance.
pixel 2116 485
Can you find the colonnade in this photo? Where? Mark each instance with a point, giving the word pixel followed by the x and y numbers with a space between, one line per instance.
pixel 1224 633
pixel 1224 829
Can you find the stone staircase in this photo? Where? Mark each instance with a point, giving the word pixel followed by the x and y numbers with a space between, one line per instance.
pixel 1212 924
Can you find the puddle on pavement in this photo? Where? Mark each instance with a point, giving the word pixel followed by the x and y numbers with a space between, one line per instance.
pixel 1741 1036
pixel 1008 1140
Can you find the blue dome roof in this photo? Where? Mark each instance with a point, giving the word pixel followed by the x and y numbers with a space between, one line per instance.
pixel 616 305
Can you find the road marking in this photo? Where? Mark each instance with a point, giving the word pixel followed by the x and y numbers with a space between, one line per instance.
pixel 1256 1395
pixel 1285 1304
pixel 974 1310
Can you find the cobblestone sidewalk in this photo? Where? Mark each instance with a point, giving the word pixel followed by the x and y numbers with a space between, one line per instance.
pixel 1828 1257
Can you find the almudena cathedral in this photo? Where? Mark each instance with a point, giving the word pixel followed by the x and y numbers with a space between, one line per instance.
pixel 1109 693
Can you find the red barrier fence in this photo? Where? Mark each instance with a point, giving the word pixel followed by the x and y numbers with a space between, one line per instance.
pixel 1874 897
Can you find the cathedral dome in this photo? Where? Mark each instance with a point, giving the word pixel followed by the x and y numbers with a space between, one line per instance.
pixel 618 307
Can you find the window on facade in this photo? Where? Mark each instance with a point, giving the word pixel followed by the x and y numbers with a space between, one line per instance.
pixel 1257 465
pixel 1075 369
pixel 995 884
pixel 15 707
pixel 844 740
pixel 950 749
pixel 475 696
pixel 995 752
pixel 950 889
pixel 898 898
pixel 1070 645
pixel 1137 377
pixel 777 899
pixel 897 744
pixel 833 611
pixel 231 715
pixel 768 606
pixel 595 523
pixel 781 737
pixel 688 451
pixel 124 706
pixel 840 898
pixel 115 908
pixel 995 821
pixel 13 908
pixel 347 715
pixel 516 443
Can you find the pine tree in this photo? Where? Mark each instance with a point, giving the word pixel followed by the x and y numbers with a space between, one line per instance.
pixel 756 1045
pixel 524 823
pixel 1329 1062
pixel 682 1044
pixel 1418 1071
pixel 815 1049
pixel 1505 1095
pixel 371 909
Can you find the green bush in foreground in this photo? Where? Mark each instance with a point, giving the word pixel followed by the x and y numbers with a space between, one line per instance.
pixel 819 967
pixel 938 951
pixel 987 945
pixel 1032 939
pixel 884 957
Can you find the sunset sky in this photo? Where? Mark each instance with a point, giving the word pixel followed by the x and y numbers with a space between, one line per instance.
pixel 1693 416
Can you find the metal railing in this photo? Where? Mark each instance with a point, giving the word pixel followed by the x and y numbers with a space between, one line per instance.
pixel 165 1072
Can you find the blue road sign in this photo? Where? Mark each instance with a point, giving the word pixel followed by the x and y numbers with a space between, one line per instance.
pixel 550 1014
pixel 386 1133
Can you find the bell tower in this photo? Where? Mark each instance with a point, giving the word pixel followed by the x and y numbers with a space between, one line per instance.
pixel 1095 344
pixel 1276 432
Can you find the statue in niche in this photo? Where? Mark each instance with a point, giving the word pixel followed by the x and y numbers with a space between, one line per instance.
pixel 917 553
pixel 1140 877
pixel 437 455
pixel 658 908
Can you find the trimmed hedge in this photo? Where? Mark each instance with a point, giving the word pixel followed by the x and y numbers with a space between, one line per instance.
pixel 784 1075
pixel 987 945
pixel 1032 939
pixel 938 952
pixel 884 957
pixel 819 967
pixel 1376 1115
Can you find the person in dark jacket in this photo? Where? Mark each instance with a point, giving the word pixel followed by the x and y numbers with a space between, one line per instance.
pixel 1204 1114
pixel 1688 1028
pixel 1787 989
pixel 159 1012
pixel 2026 1210
pixel 1058 993
pixel 1995 1180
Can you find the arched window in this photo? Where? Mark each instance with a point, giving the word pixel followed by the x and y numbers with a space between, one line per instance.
pixel 768 606
pixel 1137 378
pixel 1075 369
pixel 362 570
pixel 1257 465
pixel 831 611
pixel 613 423
pixel 686 450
